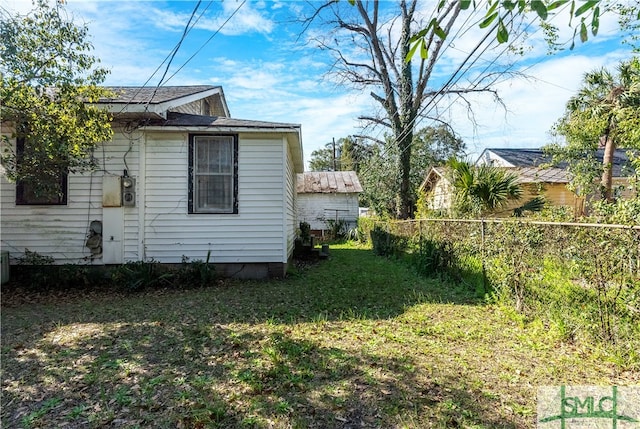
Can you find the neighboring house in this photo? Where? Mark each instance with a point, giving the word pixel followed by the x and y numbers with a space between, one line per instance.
pixel 438 189
pixel 325 196
pixel 537 179
pixel 180 179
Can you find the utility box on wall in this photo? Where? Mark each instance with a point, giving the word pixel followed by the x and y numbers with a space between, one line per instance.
pixel 128 191
pixel 111 191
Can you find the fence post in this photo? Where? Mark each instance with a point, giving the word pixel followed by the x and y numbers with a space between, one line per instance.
pixel 482 256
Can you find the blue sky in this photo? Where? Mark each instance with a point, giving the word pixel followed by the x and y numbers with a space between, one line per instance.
pixel 268 72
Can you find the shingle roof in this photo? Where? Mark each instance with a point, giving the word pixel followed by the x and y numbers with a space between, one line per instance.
pixel 525 175
pixel 175 119
pixel 326 182
pixel 136 94
pixel 537 157
pixel 540 175
pixel 523 157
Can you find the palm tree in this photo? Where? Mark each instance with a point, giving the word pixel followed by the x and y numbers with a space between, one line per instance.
pixel 482 189
pixel 601 110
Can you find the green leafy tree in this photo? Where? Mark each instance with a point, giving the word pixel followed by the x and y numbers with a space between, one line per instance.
pixel 629 20
pixel 323 159
pixel 604 113
pixel 431 146
pixel 501 18
pixel 354 153
pixel 348 154
pixel 48 80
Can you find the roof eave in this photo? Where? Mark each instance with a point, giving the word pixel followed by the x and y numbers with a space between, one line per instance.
pixel 432 171
pixel 160 109
pixel 296 151
pixel 221 129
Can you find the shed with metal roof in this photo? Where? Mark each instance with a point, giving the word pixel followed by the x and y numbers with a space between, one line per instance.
pixel 327 199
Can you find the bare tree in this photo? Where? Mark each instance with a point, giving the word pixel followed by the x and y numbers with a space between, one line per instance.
pixel 374 49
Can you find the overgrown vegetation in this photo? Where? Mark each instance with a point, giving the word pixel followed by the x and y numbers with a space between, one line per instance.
pixel 48 80
pixel 38 272
pixel 357 341
pixel 605 113
pixel 584 281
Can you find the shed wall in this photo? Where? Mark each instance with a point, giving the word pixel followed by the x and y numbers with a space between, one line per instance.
pixel 315 209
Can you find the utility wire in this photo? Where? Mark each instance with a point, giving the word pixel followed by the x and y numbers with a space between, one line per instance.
pixel 144 85
pixel 444 88
pixel 459 33
pixel 173 55
pixel 491 63
pixel 432 104
pixel 208 40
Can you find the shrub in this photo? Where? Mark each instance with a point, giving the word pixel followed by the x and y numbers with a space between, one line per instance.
pixel 337 228
pixel 138 275
pixel 387 244
pixel 583 281
pixel 195 273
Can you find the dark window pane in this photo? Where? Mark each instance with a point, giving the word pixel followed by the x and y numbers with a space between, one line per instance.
pixel 213 174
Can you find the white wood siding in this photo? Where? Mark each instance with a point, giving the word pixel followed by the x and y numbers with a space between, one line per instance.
pixel 197 107
pixel 193 108
pixel 254 235
pixel 260 233
pixel 317 208
pixel 290 217
pixel 441 195
pixel 61 231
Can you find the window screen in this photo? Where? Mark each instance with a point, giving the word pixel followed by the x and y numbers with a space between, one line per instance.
pixel 214 174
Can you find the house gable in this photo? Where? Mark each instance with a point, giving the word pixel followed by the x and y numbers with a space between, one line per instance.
pixel 155 103
pixel 437 189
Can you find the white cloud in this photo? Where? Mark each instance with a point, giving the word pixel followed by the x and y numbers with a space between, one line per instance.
pixel 534 105
pixel 234 19
pixel 287 83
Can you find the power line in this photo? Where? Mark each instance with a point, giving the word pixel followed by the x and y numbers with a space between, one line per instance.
pixel 445 87
pixel 208 40
pixel 432 104
pixel 173 55
pixel 169 55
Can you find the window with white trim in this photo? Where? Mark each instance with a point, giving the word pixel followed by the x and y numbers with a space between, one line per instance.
pixel 213 167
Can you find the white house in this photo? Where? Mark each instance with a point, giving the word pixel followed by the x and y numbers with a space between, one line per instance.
pixel 180 178
pixel 325 196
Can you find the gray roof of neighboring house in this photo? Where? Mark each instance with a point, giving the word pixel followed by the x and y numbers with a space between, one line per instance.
pixel 325 182
pixel 540 175
pixel 175 119
pixel 537 157
pixel 137 94
pixel 525 175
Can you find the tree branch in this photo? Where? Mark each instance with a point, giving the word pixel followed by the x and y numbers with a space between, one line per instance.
pixel 378 121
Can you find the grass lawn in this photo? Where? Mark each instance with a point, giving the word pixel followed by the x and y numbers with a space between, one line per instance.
pixel 357 341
